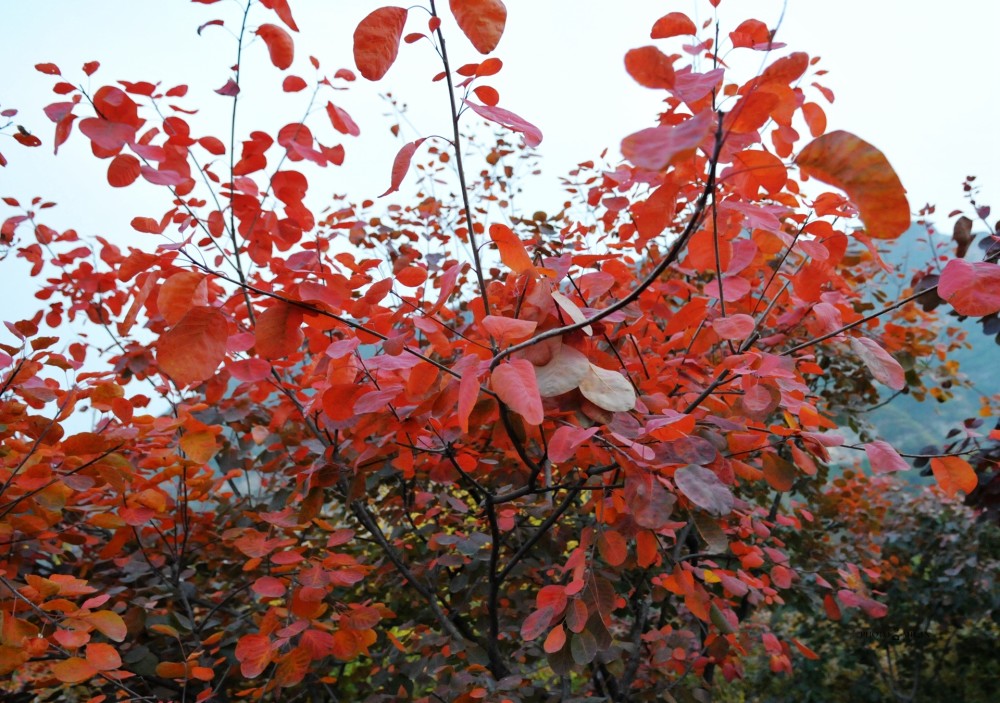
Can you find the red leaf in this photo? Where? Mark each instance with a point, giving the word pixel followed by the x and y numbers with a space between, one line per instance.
pixel 737 326
pixel 489 67
pixel 754 169
pixel 656 148
pixel 284 13
pixel 231 89
pixel 532 135
pixel 972 288
pixel 566 440
pixel 487 94
pixel 650 67
pixel 953 474
pixel 482 21
pixel 192 350
pixel 293 84
pixel 883 458
pixel 376 41
pixel 401 164
pixel 341 121
pixel 123 170
pixel 90 67
pixel 269 587
pixel 26 138
pixel 146 225
pixel 883 366
pixel 512 251
pixel 515 385
pixel 508 329
pixel 254 652
pixel 213 145
pixel 674 24
pixel 250 370
pixel 49 69
pixel 468 389
pixel 750 33
pixel 279 44
pixel 278 333
pixel 862 171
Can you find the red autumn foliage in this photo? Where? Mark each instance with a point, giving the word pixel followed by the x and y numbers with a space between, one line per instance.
pixel 350 453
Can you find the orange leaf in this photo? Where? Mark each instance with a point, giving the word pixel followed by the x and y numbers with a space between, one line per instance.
pixel 73 670
pixel 555 640
pixel 650 67
pixel 778 473
pixel 512 251
pixel 292 667
pixel 953 474
pixel 199 446
pixel 482 21
pixel 613 547
pixel 862 171
pixel 346 644
pixel 192 350
pixel 108 623
pixel 674 24
pixel 179 293
pixel 103 657
pixel 376 41
pixel 279 44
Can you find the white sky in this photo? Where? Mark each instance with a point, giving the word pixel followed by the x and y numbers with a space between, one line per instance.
pixel 917 78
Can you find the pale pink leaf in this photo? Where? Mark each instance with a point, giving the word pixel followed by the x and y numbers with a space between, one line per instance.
pixel 532 135
pixel 516 386
pixel 883 366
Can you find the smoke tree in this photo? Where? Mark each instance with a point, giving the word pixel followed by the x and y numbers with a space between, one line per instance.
pixel 419 447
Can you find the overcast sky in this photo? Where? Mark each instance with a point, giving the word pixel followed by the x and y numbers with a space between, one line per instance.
pixel 917 78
